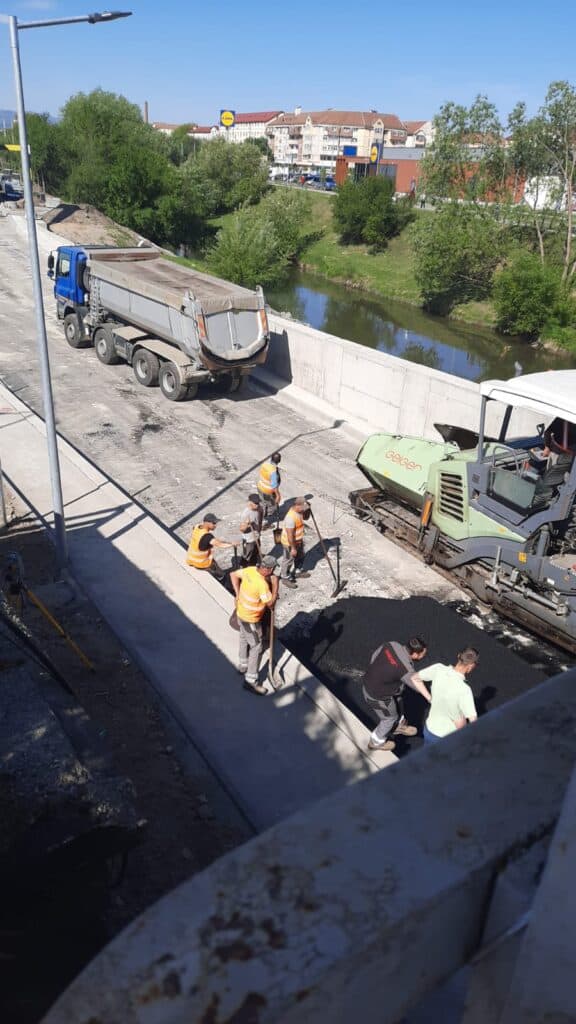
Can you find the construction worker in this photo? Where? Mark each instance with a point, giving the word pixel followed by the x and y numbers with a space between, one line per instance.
pixel 250 528
pixel 202 544
pixel 292 540
pixel 269 483
pixel 256 589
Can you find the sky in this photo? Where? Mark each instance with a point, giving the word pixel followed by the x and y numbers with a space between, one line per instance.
pixel 191 59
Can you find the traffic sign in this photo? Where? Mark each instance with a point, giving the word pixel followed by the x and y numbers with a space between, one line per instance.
pixel 227 118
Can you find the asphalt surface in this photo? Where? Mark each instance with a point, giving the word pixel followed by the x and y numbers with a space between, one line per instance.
pixel 337 643
pixel 180 460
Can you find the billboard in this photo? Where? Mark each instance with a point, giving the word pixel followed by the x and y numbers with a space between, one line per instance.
pixel 227 118
pixel 350 150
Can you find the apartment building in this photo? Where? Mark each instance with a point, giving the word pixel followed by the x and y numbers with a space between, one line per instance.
pixel 316 138
pixel 418 133
pixel 250 126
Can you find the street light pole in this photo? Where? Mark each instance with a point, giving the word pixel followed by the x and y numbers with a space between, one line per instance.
pixel 47 397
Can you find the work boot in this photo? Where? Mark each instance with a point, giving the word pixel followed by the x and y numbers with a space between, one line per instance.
pixel 303 575
pixel 255 688
pixel 388 745
pixel 291 584
pixel 403 729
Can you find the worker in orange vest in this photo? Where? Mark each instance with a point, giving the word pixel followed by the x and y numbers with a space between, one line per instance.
pixel 202 544
pixel 292 541
pixel 256 589
pixel 269 483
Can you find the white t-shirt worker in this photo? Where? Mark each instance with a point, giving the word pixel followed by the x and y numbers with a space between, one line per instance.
pixel 452 705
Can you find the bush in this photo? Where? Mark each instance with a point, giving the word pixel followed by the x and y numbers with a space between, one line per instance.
pixel 247 251
pixel 526 296
pixel 457 252
pixel 365 211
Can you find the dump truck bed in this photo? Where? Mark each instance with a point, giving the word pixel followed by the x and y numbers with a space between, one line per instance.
pixel 147 273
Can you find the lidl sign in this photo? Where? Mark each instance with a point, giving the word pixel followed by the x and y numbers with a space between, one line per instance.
pixel 374 153
pixel 227 118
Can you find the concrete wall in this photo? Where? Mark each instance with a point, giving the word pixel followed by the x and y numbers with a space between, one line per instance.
pixel 373 390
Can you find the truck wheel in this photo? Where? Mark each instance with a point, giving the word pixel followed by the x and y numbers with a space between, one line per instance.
pixel 73 330
pixel 86 279
pixel 170 384
pixel 146 366
pixel 104 345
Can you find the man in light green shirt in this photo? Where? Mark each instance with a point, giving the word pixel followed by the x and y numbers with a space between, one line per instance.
pixel 452 705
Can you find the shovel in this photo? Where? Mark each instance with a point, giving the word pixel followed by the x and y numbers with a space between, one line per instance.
pixel 339 584
pixel 273 679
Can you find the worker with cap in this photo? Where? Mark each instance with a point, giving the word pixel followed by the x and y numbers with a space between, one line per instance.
pixel 269 483
pixel 292 540
pixel 251 528
pixel 256 589
pixel 202 544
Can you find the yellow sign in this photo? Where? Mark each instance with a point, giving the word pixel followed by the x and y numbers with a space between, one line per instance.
pixel 227 118
pixel 11 147
pixel 374 154
pixel 522 556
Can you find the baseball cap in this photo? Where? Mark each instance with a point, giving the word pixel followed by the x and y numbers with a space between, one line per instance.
pixel 255 499
pixel 268 562
pixel 210 518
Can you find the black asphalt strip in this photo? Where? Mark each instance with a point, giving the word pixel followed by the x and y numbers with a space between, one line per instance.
pixel 336 644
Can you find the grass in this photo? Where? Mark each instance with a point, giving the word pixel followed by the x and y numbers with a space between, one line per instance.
pixel 387 275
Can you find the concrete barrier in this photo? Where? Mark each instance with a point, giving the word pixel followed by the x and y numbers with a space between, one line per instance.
pixel 371 389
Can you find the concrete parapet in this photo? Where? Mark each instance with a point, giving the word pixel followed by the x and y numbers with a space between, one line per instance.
pixel 374 390
pixel 358 905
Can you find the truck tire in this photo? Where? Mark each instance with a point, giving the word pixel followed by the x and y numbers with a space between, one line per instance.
pixel 86 282
pixel 104 346
pixel 170 384
pixel 146 366
pixel 73 331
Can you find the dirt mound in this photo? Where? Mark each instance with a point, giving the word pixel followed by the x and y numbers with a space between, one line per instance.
pixel 85 225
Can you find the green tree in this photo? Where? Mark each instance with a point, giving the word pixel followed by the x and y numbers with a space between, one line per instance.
pixel 247 251
pixel 289 213
pixel 468 158
pixel 457 253
pixel 181 145
pixel 122 166
pixel 263 146
pixel 229 175
pixel 526 295
pixel 365 211
pixel 543 153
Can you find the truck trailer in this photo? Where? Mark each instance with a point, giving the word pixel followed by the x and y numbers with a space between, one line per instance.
pixel 498 513
pixel 175 326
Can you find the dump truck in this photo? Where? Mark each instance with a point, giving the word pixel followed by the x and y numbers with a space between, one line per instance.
pixel 496 511
pixel 175 326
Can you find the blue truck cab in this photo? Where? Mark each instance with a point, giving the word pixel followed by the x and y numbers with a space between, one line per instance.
pixel 68 268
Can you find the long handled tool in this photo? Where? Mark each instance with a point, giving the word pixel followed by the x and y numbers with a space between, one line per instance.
pixel 59 629
pixel 273 679
pixel 339 584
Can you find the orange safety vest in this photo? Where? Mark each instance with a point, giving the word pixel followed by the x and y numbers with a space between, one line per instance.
pixel 199 559
pixel 298 529
pixel 254 595
pixel 266 471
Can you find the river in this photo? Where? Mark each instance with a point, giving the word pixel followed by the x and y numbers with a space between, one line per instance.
pixel 475 353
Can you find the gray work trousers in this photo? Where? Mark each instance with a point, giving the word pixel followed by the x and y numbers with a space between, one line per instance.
pixel 250 652
pixel 289 564
pixel 388 710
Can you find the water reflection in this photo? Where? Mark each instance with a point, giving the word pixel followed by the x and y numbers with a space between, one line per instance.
pixel 401 330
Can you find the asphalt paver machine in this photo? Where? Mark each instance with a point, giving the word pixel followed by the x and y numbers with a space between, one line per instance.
pixel 495 508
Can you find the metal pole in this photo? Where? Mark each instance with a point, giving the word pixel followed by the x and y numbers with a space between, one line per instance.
pixel 42 340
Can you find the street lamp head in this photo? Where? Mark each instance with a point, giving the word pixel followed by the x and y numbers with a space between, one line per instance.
pixel 108 16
